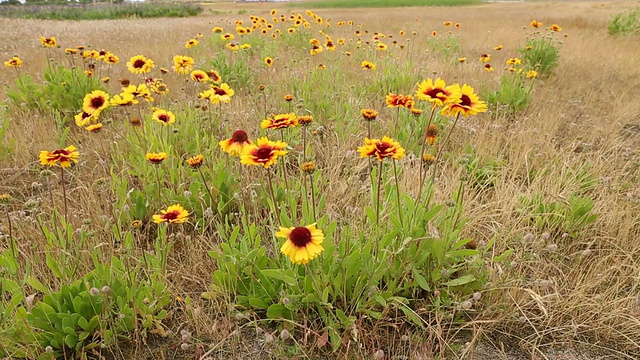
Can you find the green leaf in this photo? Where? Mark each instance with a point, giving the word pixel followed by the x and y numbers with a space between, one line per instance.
pixel 280 274
pixel 258 303
pixel 277 311
pixel 420 280
pixel 465 279
pixel 503 256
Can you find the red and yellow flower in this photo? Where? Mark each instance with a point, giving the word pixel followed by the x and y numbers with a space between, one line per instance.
pixel 64 157
pixel 467 103
pixel 95 102
pixel 174 214
pixel 165 117
pixel 139 64
pixel 303 243
pixel 381 149
pixel 280 121
pixel 436 92
pixel 236 144
pixel 265 153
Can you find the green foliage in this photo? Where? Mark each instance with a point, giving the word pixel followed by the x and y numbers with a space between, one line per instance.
pixel 234 68
pixel 6 144
pixel 60 93
pixel 110 302
pixel 541 54
pixel 625 23
pixel 512 95
pixel 381 3
pixel 102 11
pixel 568 215
pixel 481 174
pixel 364 272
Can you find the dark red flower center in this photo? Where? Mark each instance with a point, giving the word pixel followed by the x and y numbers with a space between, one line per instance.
pixel 172 215
pixel 97 102
pixel 60 153
pixel 300 236
pixel 263 154
pixel 220 91
pixel 163 117
pixel 239 136
pixel 138 64
pixel 436 93
pixel 383 148
pixel 102 53
pixel 465 100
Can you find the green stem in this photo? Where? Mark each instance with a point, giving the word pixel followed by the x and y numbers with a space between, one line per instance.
pixel 313 198
pixel 64 194
pixel 395 173
pixel 204 182
pixel 158 182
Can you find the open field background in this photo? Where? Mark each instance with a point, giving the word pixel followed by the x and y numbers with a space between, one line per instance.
pixel 563 286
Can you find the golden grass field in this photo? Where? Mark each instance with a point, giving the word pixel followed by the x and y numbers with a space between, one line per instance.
pixel 580 134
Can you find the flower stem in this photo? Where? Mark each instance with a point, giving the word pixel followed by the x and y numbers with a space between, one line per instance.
pixel 10 229
pixel 284 166
pixel 395 173
pixel 64 194
pixel 158 182
pixel 273 195
pixel 378 196
pixel 204 182
pixel 313 198
pixel 424 146
pixel 435 168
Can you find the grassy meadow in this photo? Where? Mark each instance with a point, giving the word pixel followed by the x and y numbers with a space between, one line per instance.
pixel 275 183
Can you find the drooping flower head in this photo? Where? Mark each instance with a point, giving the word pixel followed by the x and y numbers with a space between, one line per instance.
pixel 555 27
pixel 536 24
pixel 165 117
pixel 191 43
pixel 302 243
pixel 432 133
pixel 369 114
pixel 182 64
pixel 485 58
pixel 195 161
pixel 381 149
pixel 265 153
pixel 199 76
pixel 437 93
pixel 84 118
pixel 175 214
pixel 398 100
pixel 124 99
pixel 156 158
pixel 236 144
pixel 368 65
pixel 64 157
pixel 467 104
pixel 95 128
pixel 140 65
pixel 280 121
pixel 48 42
pixel 96 101
pixel 531 74
pixel 14 62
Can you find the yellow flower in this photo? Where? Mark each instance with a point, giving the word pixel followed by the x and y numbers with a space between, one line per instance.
pixel 140 65
pixel 531 74
pixel 191 43
pixel 156 158
pixel 63 156
pixel 175 214
pixel 164 117
pixel 467 103
pixel 195 161
pixel 436 92
pixel 236 144
pixel 15 62
pixel 302 243
pixel 381 149
pixel 199 76
pixel 182 64
pixel 96 101
pixel 268 61
pixel 124 99
pixel 94 128
pixel 280 121
pixel 368 65
pixel 265 153
pixel 48 42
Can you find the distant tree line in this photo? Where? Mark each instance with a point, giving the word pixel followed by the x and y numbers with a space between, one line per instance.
pixel 56 2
